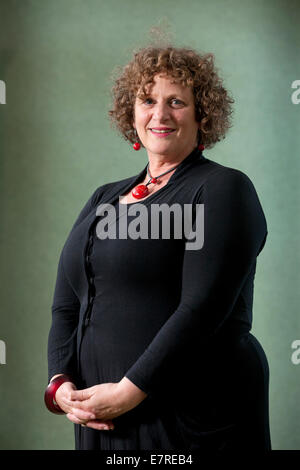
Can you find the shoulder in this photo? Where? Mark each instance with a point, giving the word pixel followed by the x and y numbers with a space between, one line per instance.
pixel 222 179
pixel 209 175
pixel 226 190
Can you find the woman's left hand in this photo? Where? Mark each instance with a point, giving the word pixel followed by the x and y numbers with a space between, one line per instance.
pixel 105 401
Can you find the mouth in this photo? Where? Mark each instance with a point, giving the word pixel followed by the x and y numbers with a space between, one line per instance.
pixel 161 131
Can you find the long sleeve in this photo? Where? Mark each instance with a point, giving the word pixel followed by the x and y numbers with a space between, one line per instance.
pixel 65 312
pixel 212 277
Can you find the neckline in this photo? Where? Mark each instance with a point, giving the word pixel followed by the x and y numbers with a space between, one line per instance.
pixel 194 155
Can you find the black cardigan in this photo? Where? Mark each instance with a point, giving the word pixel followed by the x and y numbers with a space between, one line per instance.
pixel 217 280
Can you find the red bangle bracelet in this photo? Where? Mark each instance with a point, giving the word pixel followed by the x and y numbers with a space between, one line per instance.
pixel 50 392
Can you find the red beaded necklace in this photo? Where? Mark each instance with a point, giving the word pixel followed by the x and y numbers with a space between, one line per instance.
pixel 141 190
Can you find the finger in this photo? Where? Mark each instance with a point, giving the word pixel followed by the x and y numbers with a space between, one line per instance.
pixel 80 395
pixel 81 414
pixel 66 409
pixel 100 425
pixel 95 424
pixel 74 419
pixel 75 404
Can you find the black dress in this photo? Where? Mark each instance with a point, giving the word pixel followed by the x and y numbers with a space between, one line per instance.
pixel 173 317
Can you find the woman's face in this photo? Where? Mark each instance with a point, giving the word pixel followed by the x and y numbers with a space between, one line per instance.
pixel 165 119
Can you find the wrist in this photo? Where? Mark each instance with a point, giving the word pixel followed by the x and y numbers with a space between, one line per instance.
pixel 129 394
pixel 51 390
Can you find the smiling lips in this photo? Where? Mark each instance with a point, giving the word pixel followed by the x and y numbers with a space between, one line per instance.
pixel 161 131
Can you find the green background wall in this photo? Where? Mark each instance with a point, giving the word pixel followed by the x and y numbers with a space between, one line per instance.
pixel 57 147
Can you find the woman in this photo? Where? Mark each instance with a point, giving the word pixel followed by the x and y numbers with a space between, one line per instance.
pixel 153 333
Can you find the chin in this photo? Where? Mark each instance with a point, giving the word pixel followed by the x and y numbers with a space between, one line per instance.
pixel 162 149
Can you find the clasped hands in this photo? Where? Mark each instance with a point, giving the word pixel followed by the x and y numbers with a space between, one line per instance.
pixel 96 406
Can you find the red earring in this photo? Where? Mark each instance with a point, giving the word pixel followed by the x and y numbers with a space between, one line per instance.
pixel 201 147
pixel 136 146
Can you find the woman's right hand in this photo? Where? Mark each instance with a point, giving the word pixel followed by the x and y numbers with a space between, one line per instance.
pixel 82 417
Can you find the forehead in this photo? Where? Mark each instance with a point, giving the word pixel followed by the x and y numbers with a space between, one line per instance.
pixel 163 83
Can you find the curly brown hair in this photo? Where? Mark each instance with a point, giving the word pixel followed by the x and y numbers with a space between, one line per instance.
pixel 213 105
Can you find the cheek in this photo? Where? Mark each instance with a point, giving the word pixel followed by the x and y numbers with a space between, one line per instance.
pixel 141 119
pixel 185 118
pixel 190 123
pixel 187 125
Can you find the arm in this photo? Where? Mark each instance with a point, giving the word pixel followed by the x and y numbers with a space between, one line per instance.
pixel 65 312
pixel 212 277
pixel 62 334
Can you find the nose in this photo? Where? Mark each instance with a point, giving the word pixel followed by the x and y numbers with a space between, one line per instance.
pixel 161 112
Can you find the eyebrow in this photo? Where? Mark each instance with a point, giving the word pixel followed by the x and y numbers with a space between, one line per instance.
pixel 173 95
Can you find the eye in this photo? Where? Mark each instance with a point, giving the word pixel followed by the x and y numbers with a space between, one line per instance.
pixel 176 102
pixel 148 101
